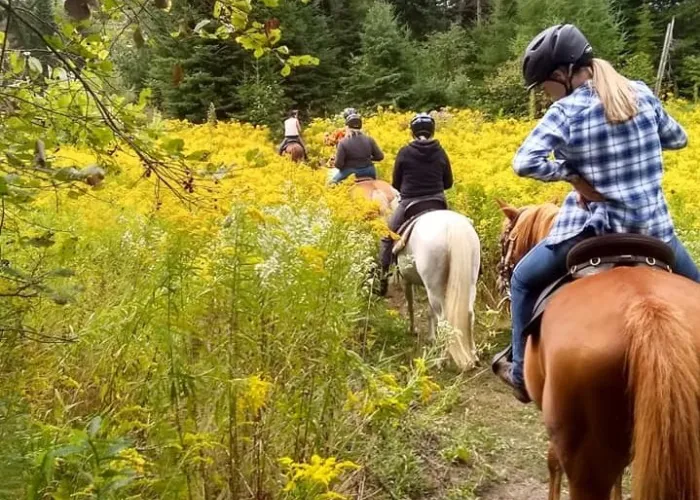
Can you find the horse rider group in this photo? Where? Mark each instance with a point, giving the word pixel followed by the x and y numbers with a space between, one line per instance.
pixel 607 134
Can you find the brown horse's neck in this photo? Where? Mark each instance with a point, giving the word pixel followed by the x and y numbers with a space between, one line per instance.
pixel 532 226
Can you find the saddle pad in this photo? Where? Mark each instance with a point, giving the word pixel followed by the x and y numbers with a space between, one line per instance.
pixel 407 228
pixel 405 233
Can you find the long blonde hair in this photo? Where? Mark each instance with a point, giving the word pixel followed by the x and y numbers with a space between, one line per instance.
pixel 616 93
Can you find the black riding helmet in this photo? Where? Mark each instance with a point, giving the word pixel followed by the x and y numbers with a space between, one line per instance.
pixel 423 124
pixel 560 45
pixel 353 120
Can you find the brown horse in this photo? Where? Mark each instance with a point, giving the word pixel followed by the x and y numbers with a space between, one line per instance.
pixel 377 190
pixel 615 369
pixel 295 150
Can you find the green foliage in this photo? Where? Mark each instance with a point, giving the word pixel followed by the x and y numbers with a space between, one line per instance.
pixel 638 66
pixel 691 71
pixel 262 99
pixel 644 32
pixel 504 92
pixel 440 66
pixel 381 74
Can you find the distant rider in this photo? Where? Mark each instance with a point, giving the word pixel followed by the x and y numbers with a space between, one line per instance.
pixel 356 151
pixel 292 132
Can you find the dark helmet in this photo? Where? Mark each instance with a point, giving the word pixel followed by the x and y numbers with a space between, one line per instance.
pixel 353 120
pixel 423 125
pixel 559 45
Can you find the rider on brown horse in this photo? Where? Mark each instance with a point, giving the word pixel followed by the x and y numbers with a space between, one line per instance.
pixel 292 132
pixel 607 134
pixel 421 170
pixel 356 151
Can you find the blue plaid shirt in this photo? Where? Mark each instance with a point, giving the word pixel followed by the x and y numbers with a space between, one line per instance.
pixel 621 161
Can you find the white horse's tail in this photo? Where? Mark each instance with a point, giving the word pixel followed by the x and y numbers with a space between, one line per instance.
pixel 460 293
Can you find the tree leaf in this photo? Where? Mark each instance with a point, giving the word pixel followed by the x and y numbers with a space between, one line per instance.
pixel 17 63
pixel 34 65
pixel 200 155
pixel 174 146
pixel 201 24
pixel 59 74
pixel 218 6
pixel 259 52
pixel 286 70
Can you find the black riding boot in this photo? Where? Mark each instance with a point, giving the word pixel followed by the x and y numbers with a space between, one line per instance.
pixel 385 260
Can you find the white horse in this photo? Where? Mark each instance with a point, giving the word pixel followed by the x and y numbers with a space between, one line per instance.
pixel 443 254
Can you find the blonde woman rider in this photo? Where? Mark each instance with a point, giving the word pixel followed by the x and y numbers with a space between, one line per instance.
pixel 607 134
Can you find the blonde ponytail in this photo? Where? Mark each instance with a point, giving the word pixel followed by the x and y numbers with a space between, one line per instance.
pixel 616 93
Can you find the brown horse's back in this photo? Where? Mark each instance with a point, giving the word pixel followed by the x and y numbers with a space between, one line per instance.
pixel 581 372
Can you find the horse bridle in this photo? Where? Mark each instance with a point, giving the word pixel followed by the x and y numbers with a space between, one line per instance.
pixel 506 264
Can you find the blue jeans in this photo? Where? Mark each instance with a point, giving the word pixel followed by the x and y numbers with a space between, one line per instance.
pixel 368 171
pixel 540 267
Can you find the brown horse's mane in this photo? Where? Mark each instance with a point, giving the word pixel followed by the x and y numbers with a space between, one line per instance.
pixel 532 225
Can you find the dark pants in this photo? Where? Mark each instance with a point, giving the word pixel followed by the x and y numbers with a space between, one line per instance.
pixel 395 222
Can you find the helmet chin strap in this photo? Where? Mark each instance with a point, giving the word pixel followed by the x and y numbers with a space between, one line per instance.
pixel 569 77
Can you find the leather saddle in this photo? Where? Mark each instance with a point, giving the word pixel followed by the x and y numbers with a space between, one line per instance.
pixel 601 253
pixel 414 210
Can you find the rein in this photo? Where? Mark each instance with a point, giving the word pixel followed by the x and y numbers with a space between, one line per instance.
pixel 506 265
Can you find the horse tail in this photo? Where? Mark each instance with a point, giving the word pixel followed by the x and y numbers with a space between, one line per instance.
pixel 460 294
pixel 664 376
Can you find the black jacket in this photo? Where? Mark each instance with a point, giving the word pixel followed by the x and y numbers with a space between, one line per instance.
pixel 421 169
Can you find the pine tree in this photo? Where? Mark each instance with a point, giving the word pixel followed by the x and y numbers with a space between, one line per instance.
pixel 597 19
pixel 496 37
pixel 382 73
pixel 189 72
pixel 644 32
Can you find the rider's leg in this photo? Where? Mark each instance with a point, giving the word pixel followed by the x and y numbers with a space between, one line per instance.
pixel 540 267
pixel 368 171
pixel 684 262
pixel 283 144
pixel 386 244
pixel 341 175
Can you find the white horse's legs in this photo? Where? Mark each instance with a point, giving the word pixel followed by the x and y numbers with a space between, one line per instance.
pixel 408 287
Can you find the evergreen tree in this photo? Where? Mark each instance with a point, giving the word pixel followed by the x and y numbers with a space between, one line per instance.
pixel 644 32
pixel 442 67
pixel 306 29
pixel 597 19
pixel 422 17
pixel 496 37
pixel 187 72
pixel 381 74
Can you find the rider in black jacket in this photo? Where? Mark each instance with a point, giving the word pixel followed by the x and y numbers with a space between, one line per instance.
pixel 421 170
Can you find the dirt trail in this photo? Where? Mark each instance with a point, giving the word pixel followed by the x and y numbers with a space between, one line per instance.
pixel 507 437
